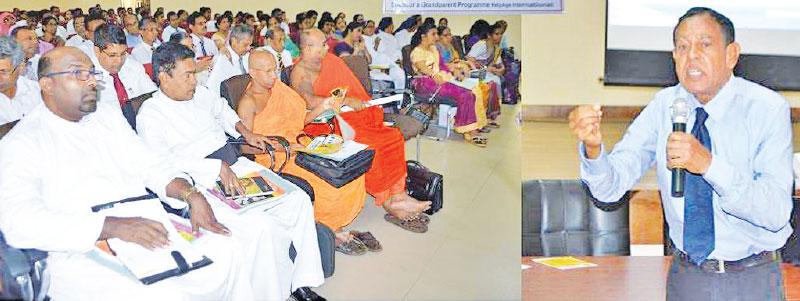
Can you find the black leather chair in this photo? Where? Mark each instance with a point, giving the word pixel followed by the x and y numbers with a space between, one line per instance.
pixel 233 88
pixel 560 217
pixel 458 44
pixel 22 273
pixel 414 95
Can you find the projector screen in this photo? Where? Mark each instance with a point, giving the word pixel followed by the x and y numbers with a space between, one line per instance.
pixel 639 40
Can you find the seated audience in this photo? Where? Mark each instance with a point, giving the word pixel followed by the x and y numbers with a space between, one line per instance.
pixel 26 39
pixel 172 27
pixel 143 52
pixel 386 41
pixel 190 124
pixel 338 28
pixel 407 29
pixel 49 37
pixel 220 37
pixel 73 153
pixel 18 94
pixel 275 39
pixel 486 54
pixel 471 114
pixel 461 68
pixel 122 78
pixel 225 67
pixel 314 77
pixel 203 46
pixel 269 107
pixel 479 30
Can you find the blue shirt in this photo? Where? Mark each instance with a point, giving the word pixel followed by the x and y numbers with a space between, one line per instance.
pixel 132 40
pixel 750 170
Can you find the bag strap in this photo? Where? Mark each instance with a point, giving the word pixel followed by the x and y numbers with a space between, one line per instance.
pixel 101 207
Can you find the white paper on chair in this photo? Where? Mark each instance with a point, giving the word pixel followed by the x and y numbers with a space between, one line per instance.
pixel 143 262
pixel 467 83
pixel 349 148
pixel 378 101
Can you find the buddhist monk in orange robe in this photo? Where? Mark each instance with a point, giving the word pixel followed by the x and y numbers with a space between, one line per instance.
pixel 271 108
pixel 314 77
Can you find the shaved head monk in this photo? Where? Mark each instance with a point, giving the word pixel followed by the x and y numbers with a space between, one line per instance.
pixel 270 107
pixel 314 77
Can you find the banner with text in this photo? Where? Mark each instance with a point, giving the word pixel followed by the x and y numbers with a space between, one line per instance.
pixel 473 7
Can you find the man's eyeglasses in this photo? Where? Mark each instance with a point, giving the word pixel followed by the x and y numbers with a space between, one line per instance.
pixel 6 73
pixel 81 75
pixel 115 55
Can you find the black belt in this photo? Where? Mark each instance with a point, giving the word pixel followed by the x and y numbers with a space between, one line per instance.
pixel 721 266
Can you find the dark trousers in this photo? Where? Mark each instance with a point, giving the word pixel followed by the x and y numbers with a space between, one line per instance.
pixel 689 282
pixel 228 153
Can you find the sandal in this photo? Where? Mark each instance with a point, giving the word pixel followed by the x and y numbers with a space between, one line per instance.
pixel 494 125
pixel 484 130
pixel 368 240
pixel 413 225
pixel 353 247
pixel 478 141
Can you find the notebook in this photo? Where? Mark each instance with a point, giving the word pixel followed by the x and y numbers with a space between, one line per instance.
pixel 564 262
pixel 150 266
pixel 259 189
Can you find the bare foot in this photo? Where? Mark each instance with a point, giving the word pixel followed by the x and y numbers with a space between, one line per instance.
pixel 343 237
pixel 405 207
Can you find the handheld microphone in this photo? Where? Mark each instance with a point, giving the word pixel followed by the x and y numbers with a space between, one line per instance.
pixel 680 115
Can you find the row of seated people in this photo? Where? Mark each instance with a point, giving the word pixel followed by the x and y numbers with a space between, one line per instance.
pixel 380 45
pixel 175 70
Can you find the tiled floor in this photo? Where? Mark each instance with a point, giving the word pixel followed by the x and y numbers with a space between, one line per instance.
pixel 471 251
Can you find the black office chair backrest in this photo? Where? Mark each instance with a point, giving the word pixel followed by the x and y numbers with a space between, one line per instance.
pixel 131 108
pixel 458 44
pixel 22 273
pixel 360 67
pixel 405 52
pixel 560 217
pixel 233 88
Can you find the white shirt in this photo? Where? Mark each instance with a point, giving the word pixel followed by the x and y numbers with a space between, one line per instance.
pixel 32 68
pixel 197 128
pixel 132 76
pixel 27 97
pixel 201 42
pixel 389 46
pixel 143 53
pixel 85 45
pixel 168 31
pixel 403 37
pixel 285 58
pixel 224 69
pixel 61 32
pixel 285 27
pixel 480 52
pixel 211 26
pixel 54 170
pixel 71 27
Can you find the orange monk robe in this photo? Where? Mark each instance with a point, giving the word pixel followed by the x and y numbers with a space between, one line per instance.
pixel 387 175
pixel 283 116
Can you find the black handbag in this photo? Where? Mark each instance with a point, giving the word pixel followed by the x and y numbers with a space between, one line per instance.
pixel 336 173
pixel 425 185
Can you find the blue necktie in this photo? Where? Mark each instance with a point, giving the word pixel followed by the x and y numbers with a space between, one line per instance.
pixel 698 213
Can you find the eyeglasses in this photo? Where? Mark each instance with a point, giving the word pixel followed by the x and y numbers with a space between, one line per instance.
pixel 115 55
pixel 6 73
pixel 80 74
